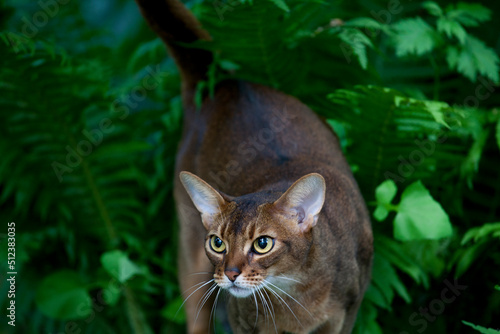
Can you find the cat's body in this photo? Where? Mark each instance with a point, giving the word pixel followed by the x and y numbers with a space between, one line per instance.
pixel 252 143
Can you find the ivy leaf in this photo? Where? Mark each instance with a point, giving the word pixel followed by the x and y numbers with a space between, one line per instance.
pixel 384 195
pixel 358 42
pixel 118 265
pixel 481 329
pixel 413 36
pixel 420 216
pixel 451 28
pixel 386 191
pixel 63 296
pixel 433 8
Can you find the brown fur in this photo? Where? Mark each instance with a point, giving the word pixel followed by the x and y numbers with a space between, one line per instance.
pixel 253 143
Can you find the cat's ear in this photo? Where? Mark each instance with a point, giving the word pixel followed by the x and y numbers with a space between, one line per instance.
pixel 206 199
pixel 304 199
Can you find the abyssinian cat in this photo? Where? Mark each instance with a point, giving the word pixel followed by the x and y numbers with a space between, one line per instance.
pixel 280 224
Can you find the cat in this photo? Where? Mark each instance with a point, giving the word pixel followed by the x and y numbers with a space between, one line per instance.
pixel 269 210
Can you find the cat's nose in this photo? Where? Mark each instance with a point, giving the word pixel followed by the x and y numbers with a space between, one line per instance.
pixel 232 273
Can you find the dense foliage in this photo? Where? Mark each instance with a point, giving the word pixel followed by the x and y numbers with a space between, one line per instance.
pixel 90 118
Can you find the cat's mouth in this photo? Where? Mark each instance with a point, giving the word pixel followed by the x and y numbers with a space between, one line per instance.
pixel 240 292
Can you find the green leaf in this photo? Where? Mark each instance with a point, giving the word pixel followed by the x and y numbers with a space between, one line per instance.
pixel 480 232
pixel 281 4
pixel 413 36
pixel 118 265
pixel 63 296
pixel 481 329
pixel 452 56
pixel 380 213
pixel 471 163
pixel 451 28
pixel 384 194
pixel 386 191
pixel 433 8
pixel 474 58
pixel 358 41
pixel 420 216
pixel 486 60
pixel 364 23
pixel 228 65
pixel 436 109
pixel 469 14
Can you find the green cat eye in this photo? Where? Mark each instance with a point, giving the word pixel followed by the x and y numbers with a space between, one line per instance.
pixel 262 245
pixel 217 244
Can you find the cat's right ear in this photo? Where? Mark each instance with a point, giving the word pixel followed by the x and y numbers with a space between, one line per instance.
pixel 206 199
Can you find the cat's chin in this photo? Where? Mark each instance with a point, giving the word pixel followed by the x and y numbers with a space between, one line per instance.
pixel 240 292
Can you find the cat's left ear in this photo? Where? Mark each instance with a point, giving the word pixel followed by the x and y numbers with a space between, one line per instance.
pixel 206 199
pixel 304 199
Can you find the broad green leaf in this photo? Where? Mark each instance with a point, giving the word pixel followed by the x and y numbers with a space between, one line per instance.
pixel 380 213
pixel 384 194
pixel 118 265
pixel 413 36
pixel 451 28
pixel 63 296
pixel 433 8
pixel 420 216
pixel 482 329
pixel 386 191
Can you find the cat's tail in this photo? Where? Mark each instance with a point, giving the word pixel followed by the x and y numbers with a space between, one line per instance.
pixel 177 26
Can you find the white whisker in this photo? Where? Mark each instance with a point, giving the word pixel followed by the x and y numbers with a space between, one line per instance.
pixel 214 309
pixel 295 300
pixel 278 296
pixel 257 310
pixel 192 293
pixel 271 308
pixel 288 278
pixel 204 299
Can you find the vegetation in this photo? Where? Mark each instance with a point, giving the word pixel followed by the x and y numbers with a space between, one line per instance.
pixel 90 118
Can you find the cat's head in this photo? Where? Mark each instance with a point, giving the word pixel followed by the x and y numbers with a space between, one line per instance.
pixel 258 239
